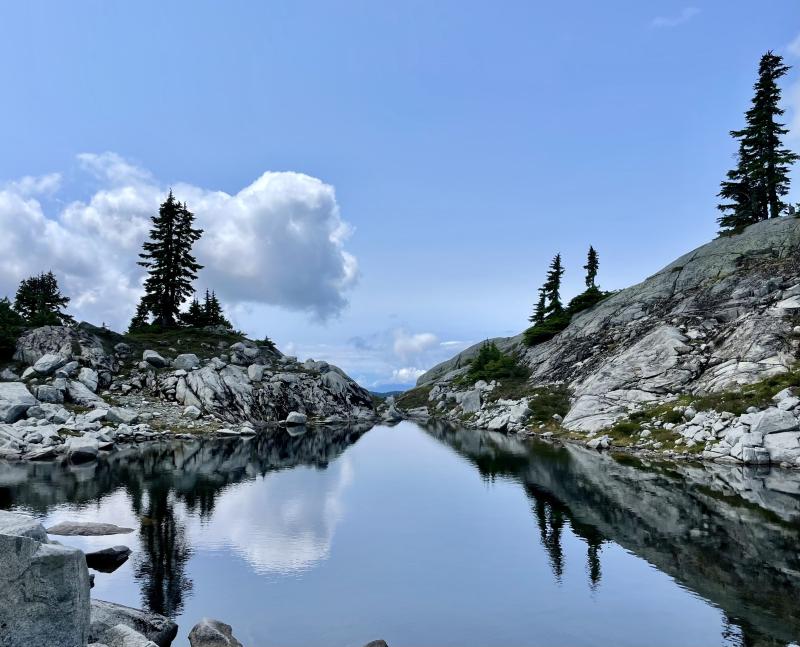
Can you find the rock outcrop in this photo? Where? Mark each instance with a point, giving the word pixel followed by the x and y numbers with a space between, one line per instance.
pixel 716 318
pixel 44 588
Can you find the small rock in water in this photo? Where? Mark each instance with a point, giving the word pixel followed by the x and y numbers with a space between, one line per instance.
pixel 108 560
pixel 212 633
pixel 86 529
pixel 296 418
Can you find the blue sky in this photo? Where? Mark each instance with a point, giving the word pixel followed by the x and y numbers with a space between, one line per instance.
pixel 466 143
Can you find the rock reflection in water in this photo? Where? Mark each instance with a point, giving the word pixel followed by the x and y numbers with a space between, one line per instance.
pixel 158 476
pixel 730 534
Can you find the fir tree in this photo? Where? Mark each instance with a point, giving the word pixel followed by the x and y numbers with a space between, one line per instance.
pixel 141 318
pixel 39 301
pixel 11 324
pixel 171 267
pixel 539 311
pixel 195 316
pixel 591 267
pixel 552 288
pixel 754 190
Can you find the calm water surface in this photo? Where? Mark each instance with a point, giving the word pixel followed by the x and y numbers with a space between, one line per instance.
pixel 435 536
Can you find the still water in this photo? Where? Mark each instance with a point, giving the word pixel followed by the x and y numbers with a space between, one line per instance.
pixel 435 536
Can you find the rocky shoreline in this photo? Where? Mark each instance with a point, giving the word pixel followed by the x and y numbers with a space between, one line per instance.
pixel 77 393
pixel 45 588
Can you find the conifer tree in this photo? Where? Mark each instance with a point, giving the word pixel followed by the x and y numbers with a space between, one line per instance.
pixel 539 311
pixel 141 318
pixel 552 287
pixel 39 301
pixel 171 267
pixel 754 190
pixel 195 316
pixel 591 267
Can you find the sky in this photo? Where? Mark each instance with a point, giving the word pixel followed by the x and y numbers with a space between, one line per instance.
pixel 381 184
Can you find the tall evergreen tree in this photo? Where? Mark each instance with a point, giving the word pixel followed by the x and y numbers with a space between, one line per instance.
pixel 591 267
pixel 552 287
pixel 39 301
pixel 11 324
pixel 141 318
pixel 195 316
pixel 171 267
pixel 754 190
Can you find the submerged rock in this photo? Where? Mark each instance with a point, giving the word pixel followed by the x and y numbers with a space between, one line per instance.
pixel 296 418
pixel 86 529
pixel 154 627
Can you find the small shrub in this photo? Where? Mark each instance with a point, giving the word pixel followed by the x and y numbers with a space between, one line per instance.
pixel 491 364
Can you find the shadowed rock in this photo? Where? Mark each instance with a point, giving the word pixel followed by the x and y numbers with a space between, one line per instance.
pixel 108 560
pixel 212 633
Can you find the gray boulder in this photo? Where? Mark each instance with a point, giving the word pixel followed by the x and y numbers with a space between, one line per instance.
pixel 48 393
pixel 89 378
pixel 122 415
pixel 295 418
pixel 108 560
pixel 154 627
pixel 70 369
pixel 212 633
pixel 7 375
pixel 48 363
pixel 79 394
pixel 773 420
pixel 154 359
pixel 15 400
pixel 44 588
pixel 81 449
pixel 86 529
pixel 255 372
pixel 192 412
pixel 186 361
pixel 123 636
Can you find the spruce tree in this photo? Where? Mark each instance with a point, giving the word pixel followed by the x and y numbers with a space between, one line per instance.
pixel 11 324
pixel 552 287
pixel 39 301
pixel 171 267
pixel 195 316
pixel 539 311
pixel 754 190
pixel 591 267
pixel 141 318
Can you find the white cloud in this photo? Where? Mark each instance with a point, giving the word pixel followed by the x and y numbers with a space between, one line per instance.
pixel 278 241
pixel 406 375
pixel 408 345
pixel 794 47
pixel 684 16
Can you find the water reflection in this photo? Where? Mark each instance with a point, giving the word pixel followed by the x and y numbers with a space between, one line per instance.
pixel 191 475
pixel 729 534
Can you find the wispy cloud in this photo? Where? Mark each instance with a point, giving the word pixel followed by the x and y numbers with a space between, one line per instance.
pixel 686 14
pixel 794 47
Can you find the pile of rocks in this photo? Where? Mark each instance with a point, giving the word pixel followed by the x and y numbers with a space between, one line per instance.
pixel 56 407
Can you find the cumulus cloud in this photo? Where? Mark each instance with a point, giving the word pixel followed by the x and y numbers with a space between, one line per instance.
pixel 684 16
pixel 406 375
pixel 278 241
pixel 409 345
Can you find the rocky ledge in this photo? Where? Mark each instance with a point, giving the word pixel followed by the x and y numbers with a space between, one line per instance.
pixel 721 317
pixel 80 390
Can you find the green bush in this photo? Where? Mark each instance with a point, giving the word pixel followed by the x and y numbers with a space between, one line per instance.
pixel 11 325
pixel 555 323
pixel 491 364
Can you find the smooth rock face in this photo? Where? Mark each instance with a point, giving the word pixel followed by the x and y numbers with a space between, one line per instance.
pixel 212 633
pixel 106 615
pixel 86 529
pixel 15 400
pixel 44 588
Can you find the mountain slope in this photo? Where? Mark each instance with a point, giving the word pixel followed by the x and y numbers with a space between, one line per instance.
pixel 720 316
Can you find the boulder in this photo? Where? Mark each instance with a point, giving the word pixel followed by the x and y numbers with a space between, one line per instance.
pixel 212 633
pixel 154 359
pixel 48 363
pixel 122 415
pixel 7 375
pixel 154 627
pixel 89 378
pixel 15 400
pixel 86 529
pixel 70 369
pixel 44 588
pixel 81 449
pixel 377 643
pixel 192 412
pixel 48 393
pixel 78 393
pixel 123 636
pixel 772 421
pixel 255 372
pixel 295 418
pixel 186 361
pixel 108 560
pixel 471 401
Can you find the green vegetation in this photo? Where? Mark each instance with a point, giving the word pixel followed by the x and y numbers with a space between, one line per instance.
pixel 39 301
pixel 492 364
pixel 414 398
pixel 207 314
pixel 550 317
pixel 753 191
pixel 202 343
pixel 11 325
pixel 548 401
pixel 737 402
